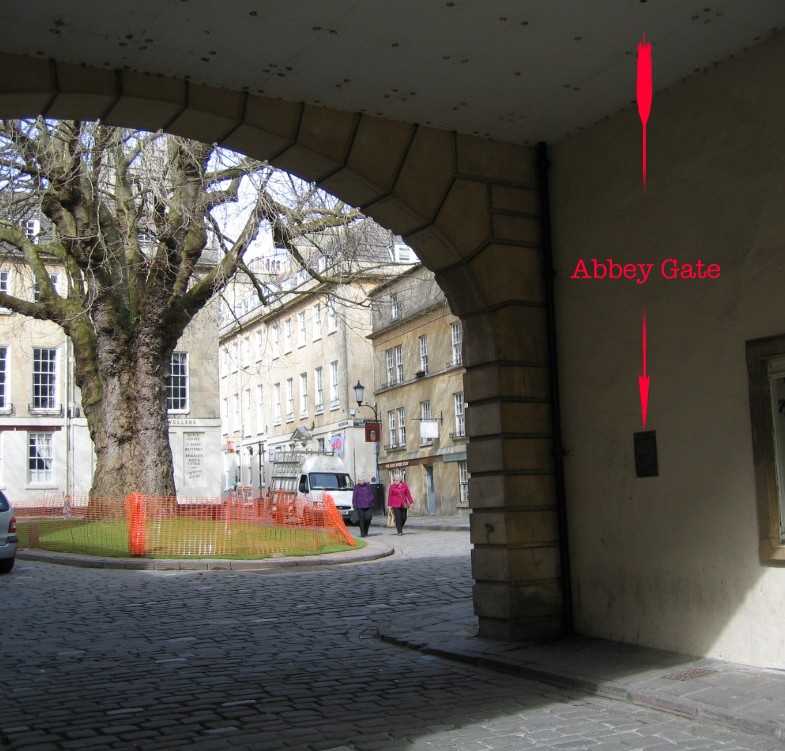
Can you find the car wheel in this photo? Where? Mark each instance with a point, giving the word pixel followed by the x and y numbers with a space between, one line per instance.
pixel 6 564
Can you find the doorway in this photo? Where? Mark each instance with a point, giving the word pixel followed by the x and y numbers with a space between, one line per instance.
pixel 430 490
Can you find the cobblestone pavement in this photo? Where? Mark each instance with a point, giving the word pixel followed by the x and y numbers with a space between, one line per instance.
pixel 224 660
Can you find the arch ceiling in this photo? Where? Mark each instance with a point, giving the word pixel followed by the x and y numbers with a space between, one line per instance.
pixel 511 70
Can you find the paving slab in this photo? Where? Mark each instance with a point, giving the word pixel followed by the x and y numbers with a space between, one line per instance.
pixel 703 689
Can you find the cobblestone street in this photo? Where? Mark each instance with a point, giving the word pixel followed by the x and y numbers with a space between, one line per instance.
pixel 155 660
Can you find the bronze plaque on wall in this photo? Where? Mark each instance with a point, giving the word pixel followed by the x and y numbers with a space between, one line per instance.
pixel 646 454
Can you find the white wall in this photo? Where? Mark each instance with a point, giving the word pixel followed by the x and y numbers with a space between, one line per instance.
pixel 673 561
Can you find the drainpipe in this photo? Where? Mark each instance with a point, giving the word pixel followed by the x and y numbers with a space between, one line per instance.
pixel 553 377
pixel 70 400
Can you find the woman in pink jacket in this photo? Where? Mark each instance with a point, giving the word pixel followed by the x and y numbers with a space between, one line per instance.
pixel 399 498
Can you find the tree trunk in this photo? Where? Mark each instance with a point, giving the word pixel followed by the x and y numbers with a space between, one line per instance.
pixel 132 444
pixel 124 401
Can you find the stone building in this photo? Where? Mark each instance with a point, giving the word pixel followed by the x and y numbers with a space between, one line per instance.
pixel 287 369
pixel 418 388
pixel 503 168
pixel 45 445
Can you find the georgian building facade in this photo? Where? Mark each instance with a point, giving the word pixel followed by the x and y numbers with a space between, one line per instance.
pixel 45 445
pixel 287 370
pixel 418 387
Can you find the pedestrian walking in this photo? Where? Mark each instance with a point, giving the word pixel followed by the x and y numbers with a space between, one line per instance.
pixel 362 502
pixel 399 499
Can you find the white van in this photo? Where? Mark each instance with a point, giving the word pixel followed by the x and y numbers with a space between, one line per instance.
pixel 325 474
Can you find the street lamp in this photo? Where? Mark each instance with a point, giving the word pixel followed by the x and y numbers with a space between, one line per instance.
pixel 359 394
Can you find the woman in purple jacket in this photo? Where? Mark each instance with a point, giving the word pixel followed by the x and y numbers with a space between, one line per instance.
pixel 399 498
pixel 362 500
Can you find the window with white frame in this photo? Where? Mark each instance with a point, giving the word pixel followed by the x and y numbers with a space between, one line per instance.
pixel 394 361
pixel 390 362
pixel 317 321
pixel 303 394
pixel 423 343
pixel 287 335
pixel 44 378
pixel 53 277
pixel 4 400
pixel 457 343
pixel 392 428
pixel 276 344
pixel 259 345
pixel 318 385
pixel 246 351
pixel 460 415
pixel 226 413
pixel 332 316
pixel 463 483
pixel 301 329
pixel 40 459
pixel 401 427
pixel 235 355
pixel 223 362
pixel 260 409
pixel 31 228
pixel 395 306
pixel 177 383
pixel 277 403
pixel 289 399
pixel 246 421
pixel 334 388
pixel 236 412
pixel 5 281
pixel 403 253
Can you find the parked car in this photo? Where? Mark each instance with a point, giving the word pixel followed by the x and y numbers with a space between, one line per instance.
pixel 8 539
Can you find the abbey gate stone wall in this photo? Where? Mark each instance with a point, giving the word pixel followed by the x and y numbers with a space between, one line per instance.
pixel 470 208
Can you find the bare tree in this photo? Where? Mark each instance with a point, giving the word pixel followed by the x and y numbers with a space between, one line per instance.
pixel 134 222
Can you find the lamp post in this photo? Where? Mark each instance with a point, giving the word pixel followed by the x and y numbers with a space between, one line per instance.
pixel 359 394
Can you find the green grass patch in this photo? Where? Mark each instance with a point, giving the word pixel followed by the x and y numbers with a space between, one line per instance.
pixel 179 537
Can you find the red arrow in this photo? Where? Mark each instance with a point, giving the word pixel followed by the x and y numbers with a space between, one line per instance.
pixel 644 92
pixel 644 380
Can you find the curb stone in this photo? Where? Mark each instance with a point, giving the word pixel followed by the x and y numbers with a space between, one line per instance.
pixel 373 551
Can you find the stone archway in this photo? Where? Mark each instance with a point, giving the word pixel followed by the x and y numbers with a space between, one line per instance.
pixel 471 209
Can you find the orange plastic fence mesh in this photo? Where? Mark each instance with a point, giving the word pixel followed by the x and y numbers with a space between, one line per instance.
pixel 239 524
